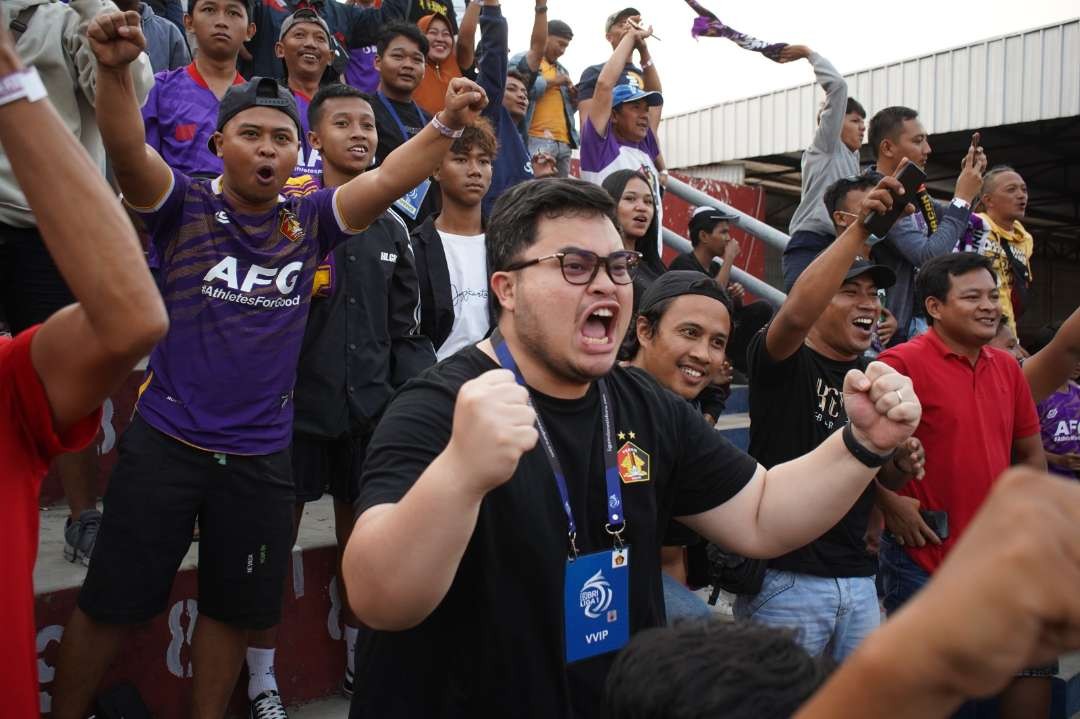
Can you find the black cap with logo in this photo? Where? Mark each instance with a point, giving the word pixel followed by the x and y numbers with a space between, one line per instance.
pixel 256 92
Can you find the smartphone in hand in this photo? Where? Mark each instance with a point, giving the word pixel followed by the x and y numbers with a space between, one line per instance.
pixel 912 178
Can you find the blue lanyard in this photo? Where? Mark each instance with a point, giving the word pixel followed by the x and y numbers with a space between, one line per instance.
pixel 393 113
pixel 616 521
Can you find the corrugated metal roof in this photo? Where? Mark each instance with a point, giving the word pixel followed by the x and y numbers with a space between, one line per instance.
pixel 1022 77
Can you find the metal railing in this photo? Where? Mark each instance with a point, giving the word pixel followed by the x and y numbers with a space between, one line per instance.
pixel 769 235
pixel 759 287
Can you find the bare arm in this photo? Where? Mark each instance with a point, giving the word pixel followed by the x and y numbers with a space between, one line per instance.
pixel 1028 451
pixel 793 503
pixel 86 350
pixel 599 110
pixel 816 286
pixel 1048 368
pixel 366 196
pixel 538 40
pixel 117 40
pixel 466 39
pixel 651 78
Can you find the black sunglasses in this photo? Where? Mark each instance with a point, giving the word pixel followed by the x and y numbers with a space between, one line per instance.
pixel 580 267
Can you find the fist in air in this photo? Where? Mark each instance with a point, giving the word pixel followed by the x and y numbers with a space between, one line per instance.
pixel 465 100
pixel 116 38
pixel 881 406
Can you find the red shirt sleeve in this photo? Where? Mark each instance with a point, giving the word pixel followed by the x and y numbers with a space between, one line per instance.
pixel 27 406
pixel 892 358
pixel 1026 420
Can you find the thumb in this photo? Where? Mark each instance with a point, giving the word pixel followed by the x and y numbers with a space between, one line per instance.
pixel 855 381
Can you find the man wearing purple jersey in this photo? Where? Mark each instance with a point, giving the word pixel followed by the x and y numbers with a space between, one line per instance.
pixel 304 47
pixel 210 437
pixel 182 107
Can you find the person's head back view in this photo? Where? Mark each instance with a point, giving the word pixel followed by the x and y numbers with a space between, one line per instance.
pixel 713 668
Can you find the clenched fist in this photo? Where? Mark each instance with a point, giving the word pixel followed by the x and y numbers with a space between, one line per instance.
pixel 116 38
pixel 493 426
pixel 881 406
pixel 465 100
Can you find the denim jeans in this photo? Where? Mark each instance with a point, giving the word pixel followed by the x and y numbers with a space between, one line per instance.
pixel 829 615
pixel 561 151
pixel 681 603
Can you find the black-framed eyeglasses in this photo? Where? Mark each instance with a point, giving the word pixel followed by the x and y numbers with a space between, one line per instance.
pixel 579 267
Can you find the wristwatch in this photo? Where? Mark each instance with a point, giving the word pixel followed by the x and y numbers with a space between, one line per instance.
pixel 861 453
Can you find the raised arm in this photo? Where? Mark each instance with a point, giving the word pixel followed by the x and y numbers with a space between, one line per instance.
pixel 651 77
pixel 493 54
pixel 793 503
pixel 831 121
pixel 117 40
pixel 86 350
pixel 466 39
pixel 539 37
pixel 1048 368
pixel 600 105
pixel 365 197
pixel 816 286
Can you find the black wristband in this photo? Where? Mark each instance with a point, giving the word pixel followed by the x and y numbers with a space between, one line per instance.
pixel 540 8
pixel 861 453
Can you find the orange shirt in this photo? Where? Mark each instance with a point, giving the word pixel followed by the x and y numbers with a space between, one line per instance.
pixel 549 117
pixel 430 95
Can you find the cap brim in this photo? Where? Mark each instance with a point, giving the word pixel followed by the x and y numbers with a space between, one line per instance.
pixel 883 276
pixel 652 98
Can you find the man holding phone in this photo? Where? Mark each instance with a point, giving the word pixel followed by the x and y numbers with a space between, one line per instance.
pixel 934 229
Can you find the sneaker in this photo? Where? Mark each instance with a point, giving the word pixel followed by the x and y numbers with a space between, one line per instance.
pixel 347 684
pixel 267 706
pixel 80 536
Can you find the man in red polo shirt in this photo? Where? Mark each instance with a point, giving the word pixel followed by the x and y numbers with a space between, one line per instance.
pixel 54 376
pixel 978 418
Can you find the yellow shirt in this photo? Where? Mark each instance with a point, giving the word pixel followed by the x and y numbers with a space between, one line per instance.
pixel 549 118
pixel 993 246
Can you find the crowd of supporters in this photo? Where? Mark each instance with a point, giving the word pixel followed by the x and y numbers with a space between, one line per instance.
pixel 347 237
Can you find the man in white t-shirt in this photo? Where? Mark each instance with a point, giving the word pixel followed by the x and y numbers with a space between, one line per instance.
pixel 451 258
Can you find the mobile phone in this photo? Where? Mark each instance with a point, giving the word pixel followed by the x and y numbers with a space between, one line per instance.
pixel 937 520
pixel 912 178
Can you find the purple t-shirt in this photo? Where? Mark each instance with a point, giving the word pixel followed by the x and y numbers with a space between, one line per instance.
pixel 1059 415
pixel 309 161
pixel 237 289
pixel 180 115
pixel 361 72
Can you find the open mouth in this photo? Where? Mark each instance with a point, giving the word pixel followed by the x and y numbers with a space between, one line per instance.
pixel 866 324
pixel 309 57
pixel 358 151
pixel 988 321
pixel 692 374
pixel 597 328
pixel 641 219
pixel 264 174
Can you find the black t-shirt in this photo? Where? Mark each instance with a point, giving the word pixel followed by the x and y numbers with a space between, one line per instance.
pixel 689 261
pixel 794 406
pixel 494 645
pixel 390 138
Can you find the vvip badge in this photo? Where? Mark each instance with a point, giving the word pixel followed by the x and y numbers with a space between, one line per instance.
pixel 597 603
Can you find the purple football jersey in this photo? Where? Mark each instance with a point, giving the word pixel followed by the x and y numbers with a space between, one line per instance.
pixel 309 161
pixel 180 115
pixel 237 289
pixel 361 72
pixel 1059 415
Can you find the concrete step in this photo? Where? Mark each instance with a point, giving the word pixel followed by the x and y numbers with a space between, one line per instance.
pixel 311 648
pixel 329 708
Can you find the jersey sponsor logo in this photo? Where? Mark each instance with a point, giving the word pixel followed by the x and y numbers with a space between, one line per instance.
pixel 1067 431
pixel 595 596
pixel 222 217
pixel 1052 413
pixel 227 271
pixel 290 226
pixel 633 463
pixel 185 133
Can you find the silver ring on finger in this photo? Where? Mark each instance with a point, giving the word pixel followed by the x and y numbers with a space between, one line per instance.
pixel 899 397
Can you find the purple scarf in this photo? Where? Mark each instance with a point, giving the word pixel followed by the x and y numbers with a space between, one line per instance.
pixel 709 25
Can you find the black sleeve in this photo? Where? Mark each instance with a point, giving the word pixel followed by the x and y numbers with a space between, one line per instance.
pixel 709 470
pixel 491 57
pixel 713 399
pixel 764 369
pixel 414 430
pixel 410 351
pixel 367 26
pixel 587 84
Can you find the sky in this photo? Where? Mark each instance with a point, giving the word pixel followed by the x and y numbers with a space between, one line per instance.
pixel 704 72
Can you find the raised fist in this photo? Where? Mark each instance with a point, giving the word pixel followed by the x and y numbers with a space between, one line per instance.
pixel 116 38
pixel 465 100
pixel 881 406
pixel 493 426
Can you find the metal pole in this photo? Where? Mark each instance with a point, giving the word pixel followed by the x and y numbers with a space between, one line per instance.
pixel 770 235
pixel 759 287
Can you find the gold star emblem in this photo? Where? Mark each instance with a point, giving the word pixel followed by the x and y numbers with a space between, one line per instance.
pixel 633 436
pixel 622 436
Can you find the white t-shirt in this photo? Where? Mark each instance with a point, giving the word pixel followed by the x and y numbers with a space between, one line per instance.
pixel 466 261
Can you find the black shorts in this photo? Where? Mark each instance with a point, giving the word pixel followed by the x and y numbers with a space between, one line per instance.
pixel 159 488
pixel 328 465
pixel 31 288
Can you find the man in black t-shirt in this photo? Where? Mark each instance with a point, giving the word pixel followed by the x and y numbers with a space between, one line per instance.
pixel 797 368
pixel 474 562
pixel 399 60
pixel 615 27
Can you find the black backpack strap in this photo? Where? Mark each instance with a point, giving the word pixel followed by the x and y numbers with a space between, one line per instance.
pixel 22 21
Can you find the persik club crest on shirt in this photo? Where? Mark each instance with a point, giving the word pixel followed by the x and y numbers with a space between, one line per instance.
pixel 290 226
pixel 632 460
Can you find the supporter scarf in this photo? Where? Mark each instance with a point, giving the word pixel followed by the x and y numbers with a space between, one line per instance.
pixel 926 208
pixel 709 25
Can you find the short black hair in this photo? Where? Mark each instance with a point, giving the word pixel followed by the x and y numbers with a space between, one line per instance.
pixel 511 228
pixel 887 123
pixel 838 191
pixel 248 7
pixel 519 76
pixel 854 106
pixel 397 28
pixel 713 668
pixel 935 277
pixel 653 315
pixel 332 91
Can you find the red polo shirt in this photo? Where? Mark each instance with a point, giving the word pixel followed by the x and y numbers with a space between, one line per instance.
pixel 28 440
pixel 971 416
